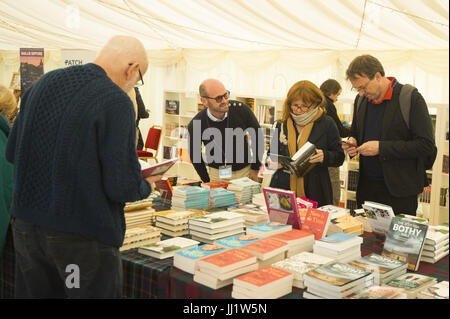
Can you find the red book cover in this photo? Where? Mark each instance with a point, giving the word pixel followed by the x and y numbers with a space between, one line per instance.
pixel 316 222
pixel 228 257
pixel 212 185
pixel 264 276
pixel 282 206
pixel 156 169
pixel 292 235
pixel 165 188
pixel 264 246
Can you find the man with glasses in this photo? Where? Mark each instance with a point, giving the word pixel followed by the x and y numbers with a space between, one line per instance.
pixel 73 150
pixel 392 152
pixel 222 126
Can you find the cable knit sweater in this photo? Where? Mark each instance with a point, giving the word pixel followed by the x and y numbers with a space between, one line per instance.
pixel 73 150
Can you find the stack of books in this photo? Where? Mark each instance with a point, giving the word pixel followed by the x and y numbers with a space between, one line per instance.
pixel 186 260
pixel 412 283
pixel 268 229
pixel 141 204
pixel 185 197
pixel 345 224
pixel 252 215
pixel 220 197
pixel 216 226
pixel 383 268
pixel 140 217
pixel 265 283
pixel 244 189
pixel 300 264
pixel 298 241
pixel 167 248
pixel 259 200
pixel 237 241
pixel 267 250
pixel 340 246
pixel 379 292
pixel 211 185
pixel 139 236
pixel 218 271
pixel 335 281
pixel 437 291
pixel 436 244
pixel 176 224
pixel 335 211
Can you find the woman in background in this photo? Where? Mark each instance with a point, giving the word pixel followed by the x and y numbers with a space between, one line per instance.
pixel 304 119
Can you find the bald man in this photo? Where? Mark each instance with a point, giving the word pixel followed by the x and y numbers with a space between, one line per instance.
pixel 221 127
pixel 73 150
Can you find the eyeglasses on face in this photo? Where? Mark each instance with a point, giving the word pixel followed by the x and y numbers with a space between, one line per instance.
pixel 362 88
pixel 219 98
pixel 140 82
pixel 303 107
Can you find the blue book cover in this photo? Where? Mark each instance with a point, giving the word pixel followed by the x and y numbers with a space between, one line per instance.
pixel 237 241
pixel 201 251
pixel 338 237
pixel 268 226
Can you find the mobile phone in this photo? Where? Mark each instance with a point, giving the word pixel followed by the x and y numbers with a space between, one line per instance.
pixel 348 143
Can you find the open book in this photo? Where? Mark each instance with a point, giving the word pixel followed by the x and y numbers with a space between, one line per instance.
pixel 156 169
pixel 299 164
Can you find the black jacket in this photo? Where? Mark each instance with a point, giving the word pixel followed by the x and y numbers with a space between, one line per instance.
pixel 402 150
pixel 325 136
pixel 332 112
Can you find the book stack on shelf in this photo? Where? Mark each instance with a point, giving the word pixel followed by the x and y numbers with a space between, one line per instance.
pixel 345 224
pixel 167 248
pixel 341 247
pixel 268 229
pixel 237 241
pixel 335 281
pixel 185 197
pixel 220 197
pixel 445 164
pixel 317 222
pixel 265 283
pixel 300 264
pixel 252 216
pixel 412 283
pixel 383 268
pixel 379 292
pixel 218 271
pixel 265 114
pixel 437 291
pixel 436 244
pixel 216 226
pixel 298 241
pixel 425 196
pixel 186 260
pixel 139 236
pixel 404 241
pixel 267 250
pixel 176 224
pixel 244 189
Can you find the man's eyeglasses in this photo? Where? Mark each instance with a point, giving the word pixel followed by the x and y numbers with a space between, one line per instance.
pixel 362 88
pixel 219 98
pixel 303 107
pixel 140 82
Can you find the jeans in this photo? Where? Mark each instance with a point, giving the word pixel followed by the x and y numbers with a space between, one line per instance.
pixel 54 264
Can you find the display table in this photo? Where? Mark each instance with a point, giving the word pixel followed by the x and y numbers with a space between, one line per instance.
pixel 147 277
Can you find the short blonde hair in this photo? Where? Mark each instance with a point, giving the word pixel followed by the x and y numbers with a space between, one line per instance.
pixel 8 102
pixel 305 90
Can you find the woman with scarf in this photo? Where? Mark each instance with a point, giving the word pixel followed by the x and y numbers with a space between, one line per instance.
pixel 304 119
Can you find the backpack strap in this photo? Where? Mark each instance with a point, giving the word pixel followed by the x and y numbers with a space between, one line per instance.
pixel 405 102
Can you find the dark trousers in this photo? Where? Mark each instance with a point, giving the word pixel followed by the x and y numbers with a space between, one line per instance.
pixel 53 264
pixel 376 191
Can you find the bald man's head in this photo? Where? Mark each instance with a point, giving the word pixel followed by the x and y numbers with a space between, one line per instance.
pixel 122 58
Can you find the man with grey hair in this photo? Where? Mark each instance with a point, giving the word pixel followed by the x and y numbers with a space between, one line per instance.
pixel 395 150
pixel 222 128
pixel 75 165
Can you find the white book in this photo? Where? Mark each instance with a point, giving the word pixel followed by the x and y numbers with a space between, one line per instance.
pixel 328 294
pixel 439 290
pixel 216 230
pixel 335 254
pixel 170 233
pixel 308 295
pixel 272 260
pixel 432 254
pixel 436 234
pixel 433 260
pixel 173 228
pixel 217 220
pixel 339 242
pixel 218 235
pixel 435 247
pixel 210 281
pixel 167 248
pixel 229 274
pixel 274 294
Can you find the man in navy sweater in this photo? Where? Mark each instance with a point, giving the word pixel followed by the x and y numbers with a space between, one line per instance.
pixel 75 165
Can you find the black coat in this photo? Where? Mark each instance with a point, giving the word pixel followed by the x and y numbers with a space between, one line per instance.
pixel 325 136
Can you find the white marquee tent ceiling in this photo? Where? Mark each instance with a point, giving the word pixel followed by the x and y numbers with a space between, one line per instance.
pixel 228 24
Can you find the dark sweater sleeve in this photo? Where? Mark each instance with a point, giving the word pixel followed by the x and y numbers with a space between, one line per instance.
pixel 258 150
pixel 121 170
pixel 195 145
pixel 334 155
pixel 332 112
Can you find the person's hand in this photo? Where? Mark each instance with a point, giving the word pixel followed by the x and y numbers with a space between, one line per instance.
pixel 317 158
pixel 370 148
pixel 350 146
pixel 271 164
pixel 155 178
pixel 253 175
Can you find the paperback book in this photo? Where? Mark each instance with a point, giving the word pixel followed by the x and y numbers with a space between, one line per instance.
pixel 167 248
pixel 268 229
pixel 379 216
pixel 382 267
pixel 187 259
pixel 148 170
pixel 237 241
pixel 281 206
pixel 299 164
pixel 316 222
pixel 412 283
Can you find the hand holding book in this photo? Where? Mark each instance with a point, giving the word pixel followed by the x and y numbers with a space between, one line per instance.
pixel 318 157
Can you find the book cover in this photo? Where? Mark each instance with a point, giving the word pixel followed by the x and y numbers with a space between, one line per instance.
pixel 262 277
pixel 229 259
pixel 265 248
pixel 413 218
pixel 164 187
pixel 377 292
pixel 378 263
pixel 201 251
pixel 156 169
pixel 168 247
pixel 412 283
pixel 299 164
pixel 302 263
pixel 404 241
pixel 282 206
pixel 345 224
pixel 379 216
pixel 293 235
pixel 436 234
pixel 270 226
pixel 338 274
pixel 237 241
pixel 439 290
pixel 316 222
pixel 217 220
pixel 173 107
